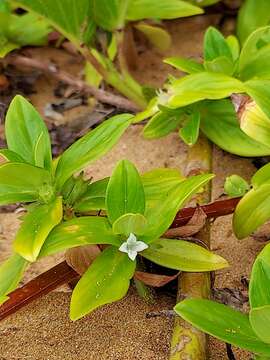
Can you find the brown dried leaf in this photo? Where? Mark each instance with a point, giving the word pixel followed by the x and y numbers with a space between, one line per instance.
pixel 80 258
pixel 195 224
pixel 154 280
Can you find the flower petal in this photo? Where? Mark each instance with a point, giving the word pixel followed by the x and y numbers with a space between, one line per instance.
pixel 140 246
pixel 132 254
pixel 124 247
pixel 131 240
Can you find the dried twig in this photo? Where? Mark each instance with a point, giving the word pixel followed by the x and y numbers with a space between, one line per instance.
pixel 52 70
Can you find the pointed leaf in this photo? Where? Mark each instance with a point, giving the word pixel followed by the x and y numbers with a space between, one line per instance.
pixel 255 124
pixel 221 64
pixel 252 211
pixel 78 232
pixel 163 213
pixel 109 15
pixel 27 134
pixel 166 9
pixel 259 319
pixel 125 193
pixel 259 287
pixel 190 131
pixel 91 146
pixel 157 36
pixel 202 86
pixel 215 45
pixel 221 321
pixel 35 228
pixel 11 272
pixel 7 155
pixel 94 197
pixel 262 176
pixel 183 255
pixel 163 123
pixel 107 280
pixel 226 132
pixel 252 15
pixel 21 182
pixel 186 65
pixel 234 46
pixel 254 57
pixel 259 90
pixel 130 223
pixel 159 182
pixel 235 186
pixel 68 18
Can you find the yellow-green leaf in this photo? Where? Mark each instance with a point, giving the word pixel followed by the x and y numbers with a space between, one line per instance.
pixel 35 228
pixel 107 280
pixel 183 255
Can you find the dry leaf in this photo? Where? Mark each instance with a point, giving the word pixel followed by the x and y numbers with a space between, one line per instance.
pixel 80 258
pixel 195 224
pixel 154 280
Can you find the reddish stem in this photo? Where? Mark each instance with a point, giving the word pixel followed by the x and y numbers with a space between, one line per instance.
pixel 63 273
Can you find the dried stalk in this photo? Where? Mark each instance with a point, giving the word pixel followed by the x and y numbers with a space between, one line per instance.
pixel 52 70
pixel 188 342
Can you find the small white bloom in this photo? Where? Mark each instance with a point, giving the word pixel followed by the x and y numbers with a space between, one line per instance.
pixel 132 246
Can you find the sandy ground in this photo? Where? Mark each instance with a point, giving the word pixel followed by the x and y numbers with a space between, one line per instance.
pixel 121 331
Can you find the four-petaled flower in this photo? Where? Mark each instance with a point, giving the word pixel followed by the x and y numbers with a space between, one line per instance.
pixel 132 246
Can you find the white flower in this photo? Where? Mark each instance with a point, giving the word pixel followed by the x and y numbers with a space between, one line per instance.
pixel 132 246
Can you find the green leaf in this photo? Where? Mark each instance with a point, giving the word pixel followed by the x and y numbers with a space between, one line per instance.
pixel 256 124
pixel 93 198
pixel 259 319
pixel 183 255
pixel 220 124
pixel 157 36
pixel 109 15
pixel 221 64
pixel 163 123
pixel 125 193
pixel 78 232
pixel 130 223
pixel 223 322
pixel 35 228
pixel 259 289
pixel 201 86
pixel 254 57
pixel 235 186
pixel 6 46
pixel 107 280
pixel 28 29
pixel 215 45
pixel 163 213
pixel 252 211
pixel 234 46
pixel 259 90
pixel 252 15
pixel 68 18
pixel 21 182
pixel 7 155
pixel 261 177
pixel 166 9
pixel 190 131
pixel 11 272
pixel 91 146
pixel 27 134
pixel 92 76
pixel 186 65
pixel 159 182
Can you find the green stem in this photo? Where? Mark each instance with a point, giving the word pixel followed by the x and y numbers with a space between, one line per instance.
pixel 123 82
pixel 188 342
